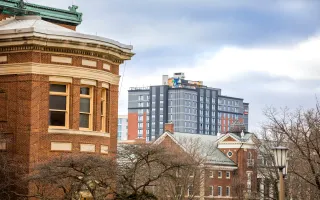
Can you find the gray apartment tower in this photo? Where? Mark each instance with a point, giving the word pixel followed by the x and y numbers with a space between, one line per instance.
pixel 191 106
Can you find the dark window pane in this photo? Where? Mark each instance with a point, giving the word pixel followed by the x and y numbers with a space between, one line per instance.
pixel 58 88
pixel 58 102
pixel 85 90
pixel 84 120
pixel 84 105
pixel 57 118
pixel 102 104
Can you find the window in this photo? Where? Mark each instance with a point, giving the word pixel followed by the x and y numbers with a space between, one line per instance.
pixel 179 190
pixel 229 154
pixel 140 133
pixel 59 105
pixel 228 175
pixel 3 146
pixel 103 109
pixel 178 173
pixel 211 191
pixel 219 191
pixel 219 174
pixel 227 191
pixel 86 96
pixel 140 111
pixel 211 174
pixel 190 190
pixel 191 174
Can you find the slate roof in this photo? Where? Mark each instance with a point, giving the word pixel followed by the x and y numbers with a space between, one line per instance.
pixel 208 147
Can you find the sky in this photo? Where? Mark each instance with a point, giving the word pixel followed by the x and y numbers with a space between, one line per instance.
pixel 266 52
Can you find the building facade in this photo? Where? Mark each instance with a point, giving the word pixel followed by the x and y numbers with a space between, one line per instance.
pixel 228 169
pixel 191 106
pixel 58 87
pixel 122 127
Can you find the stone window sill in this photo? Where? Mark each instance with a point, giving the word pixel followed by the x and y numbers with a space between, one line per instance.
pixel 77 132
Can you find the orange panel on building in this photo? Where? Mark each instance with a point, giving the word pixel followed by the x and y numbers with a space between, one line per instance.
pixel 132 126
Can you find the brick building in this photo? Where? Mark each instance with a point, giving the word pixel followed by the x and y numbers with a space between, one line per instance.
pixel 229 170
pixel 58 87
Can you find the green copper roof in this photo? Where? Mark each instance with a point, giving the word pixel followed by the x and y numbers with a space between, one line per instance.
pixel 19 7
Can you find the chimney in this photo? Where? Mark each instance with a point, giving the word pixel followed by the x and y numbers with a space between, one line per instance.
pixel 169 127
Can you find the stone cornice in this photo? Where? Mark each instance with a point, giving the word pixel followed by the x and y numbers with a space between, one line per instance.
pixel 18 46
pixel 59 70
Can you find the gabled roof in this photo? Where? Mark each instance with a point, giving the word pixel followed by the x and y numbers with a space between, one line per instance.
pixel 207 143
pixel 246 138
pixel 21 8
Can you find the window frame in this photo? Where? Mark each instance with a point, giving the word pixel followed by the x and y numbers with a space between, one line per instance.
pixel 228 191
pixel 91 97
pixel 219 190
pixel 67 111
pixel 190 187
pixel 211 174
pixel 228 175
pixel 103 118
pixel 211 190
pixel 219 174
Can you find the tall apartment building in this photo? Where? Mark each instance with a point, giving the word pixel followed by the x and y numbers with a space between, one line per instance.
pixel 190 105
pixel 122 127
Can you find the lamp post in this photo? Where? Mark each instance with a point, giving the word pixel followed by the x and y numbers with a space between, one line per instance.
pixel 280 156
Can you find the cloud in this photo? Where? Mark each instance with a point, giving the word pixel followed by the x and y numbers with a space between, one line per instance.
pixel 265 52
pixel 286 75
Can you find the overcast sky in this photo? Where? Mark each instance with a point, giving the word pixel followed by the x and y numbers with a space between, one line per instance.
pixel 266 52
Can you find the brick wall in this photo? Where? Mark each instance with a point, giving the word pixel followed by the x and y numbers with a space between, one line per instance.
pixel 26 124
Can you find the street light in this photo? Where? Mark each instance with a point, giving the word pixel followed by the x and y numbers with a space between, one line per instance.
pixel 280 157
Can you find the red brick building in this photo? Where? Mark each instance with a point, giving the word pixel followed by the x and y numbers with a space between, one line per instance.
pixel 58 87
pixel 229 167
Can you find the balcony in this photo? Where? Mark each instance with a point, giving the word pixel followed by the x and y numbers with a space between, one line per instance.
pixel 250 162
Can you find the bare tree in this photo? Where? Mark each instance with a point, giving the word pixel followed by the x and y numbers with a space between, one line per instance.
pixel 300 131
pixel 141 168
pixel 185 182
pixel 69 177
pixel 12 185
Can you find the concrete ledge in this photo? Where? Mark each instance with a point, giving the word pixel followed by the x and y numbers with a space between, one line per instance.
pixel 77 132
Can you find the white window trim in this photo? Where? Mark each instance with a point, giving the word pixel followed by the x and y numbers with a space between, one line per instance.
pixel 219 175
pixel 220 190
pixel 211 190
pixel 211 174
pixel 228 172
pixel 229 191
